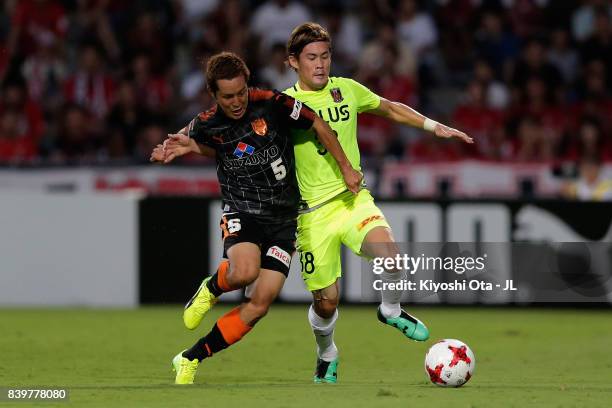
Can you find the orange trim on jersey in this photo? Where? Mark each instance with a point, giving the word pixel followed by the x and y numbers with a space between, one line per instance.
pixel 256 94
pixel 368 220
pixel 232 327
pixel 222 276
pixel 204 116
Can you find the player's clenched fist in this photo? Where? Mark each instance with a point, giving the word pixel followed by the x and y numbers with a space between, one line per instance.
pixel 352 179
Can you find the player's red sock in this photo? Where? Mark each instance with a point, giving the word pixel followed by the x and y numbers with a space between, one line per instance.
pixel 228 330
pixel 218 283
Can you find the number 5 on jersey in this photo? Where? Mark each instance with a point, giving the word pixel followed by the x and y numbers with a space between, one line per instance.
pixel 279 169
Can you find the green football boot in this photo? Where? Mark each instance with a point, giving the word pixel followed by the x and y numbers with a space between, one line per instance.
pixel 412 327
pixel 199 305
pixel 185 369
pixel 326 371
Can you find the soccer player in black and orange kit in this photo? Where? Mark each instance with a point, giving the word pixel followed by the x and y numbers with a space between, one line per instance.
pixel 249 133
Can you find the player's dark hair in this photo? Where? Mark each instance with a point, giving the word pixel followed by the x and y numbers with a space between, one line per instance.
pixel 224 65
pixel 305 34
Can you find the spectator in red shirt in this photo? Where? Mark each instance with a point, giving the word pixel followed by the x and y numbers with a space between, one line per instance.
pixel 496 93
pixel 152 91
pixel 477 119
pixel 599 45
pixel 148 35
pixel 150 137
pixel 4 60
pixel 434 149
pixel 90 22
pixel 33 22
pixel 591 142
pixel 536 102
pixel 386 66
pixel 127 117
pixel 534 64
pixel 29 114
pixel 15 147
pixel 526 17
pixel 533 143
pixel 596 102
pixel 76 141
pixel 45 71
pixel 91 86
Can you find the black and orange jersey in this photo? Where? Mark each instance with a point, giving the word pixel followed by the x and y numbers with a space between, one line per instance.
pixel 255 161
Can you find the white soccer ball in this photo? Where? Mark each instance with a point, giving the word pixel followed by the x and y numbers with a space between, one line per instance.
pixel 450 363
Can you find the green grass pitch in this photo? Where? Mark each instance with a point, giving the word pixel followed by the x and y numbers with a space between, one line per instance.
pixel 121 358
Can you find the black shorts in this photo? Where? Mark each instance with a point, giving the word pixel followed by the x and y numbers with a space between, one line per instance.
pixel 275 238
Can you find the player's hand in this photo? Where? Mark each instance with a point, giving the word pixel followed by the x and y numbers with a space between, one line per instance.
pixel 173 150
pixel 352 179
pixel 174 146
pixel 158 155
pixel 177 139
pixel 448 132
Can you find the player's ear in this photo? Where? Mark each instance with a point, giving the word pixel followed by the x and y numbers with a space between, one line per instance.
pixel 212 93
pixel 293 62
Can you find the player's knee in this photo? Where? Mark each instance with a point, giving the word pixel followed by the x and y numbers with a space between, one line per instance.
pixel 242 274
pixel 326 308
pixel 380 250
pixel 379 243
pixel 260 309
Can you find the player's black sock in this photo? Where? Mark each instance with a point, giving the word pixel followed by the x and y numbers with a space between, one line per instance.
pixel 213 285
pixel 212 343
pixel 218 283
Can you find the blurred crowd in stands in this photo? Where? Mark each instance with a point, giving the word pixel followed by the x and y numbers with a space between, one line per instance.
pixel 103 81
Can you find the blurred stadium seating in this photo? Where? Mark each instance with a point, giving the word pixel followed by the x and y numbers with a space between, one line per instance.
pixel 89 83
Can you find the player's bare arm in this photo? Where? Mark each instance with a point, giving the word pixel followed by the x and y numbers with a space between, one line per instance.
pixel 174 146
pixel 184 131
pixel 329 139
pixel 177 145
pixel 182 140
pixel 400 113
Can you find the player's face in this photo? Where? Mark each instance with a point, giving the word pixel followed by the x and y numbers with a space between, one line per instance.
pixel 313 65
pixel 232 96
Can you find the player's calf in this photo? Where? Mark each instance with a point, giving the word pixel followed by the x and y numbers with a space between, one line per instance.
pixel 325 301
pixel 326 370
